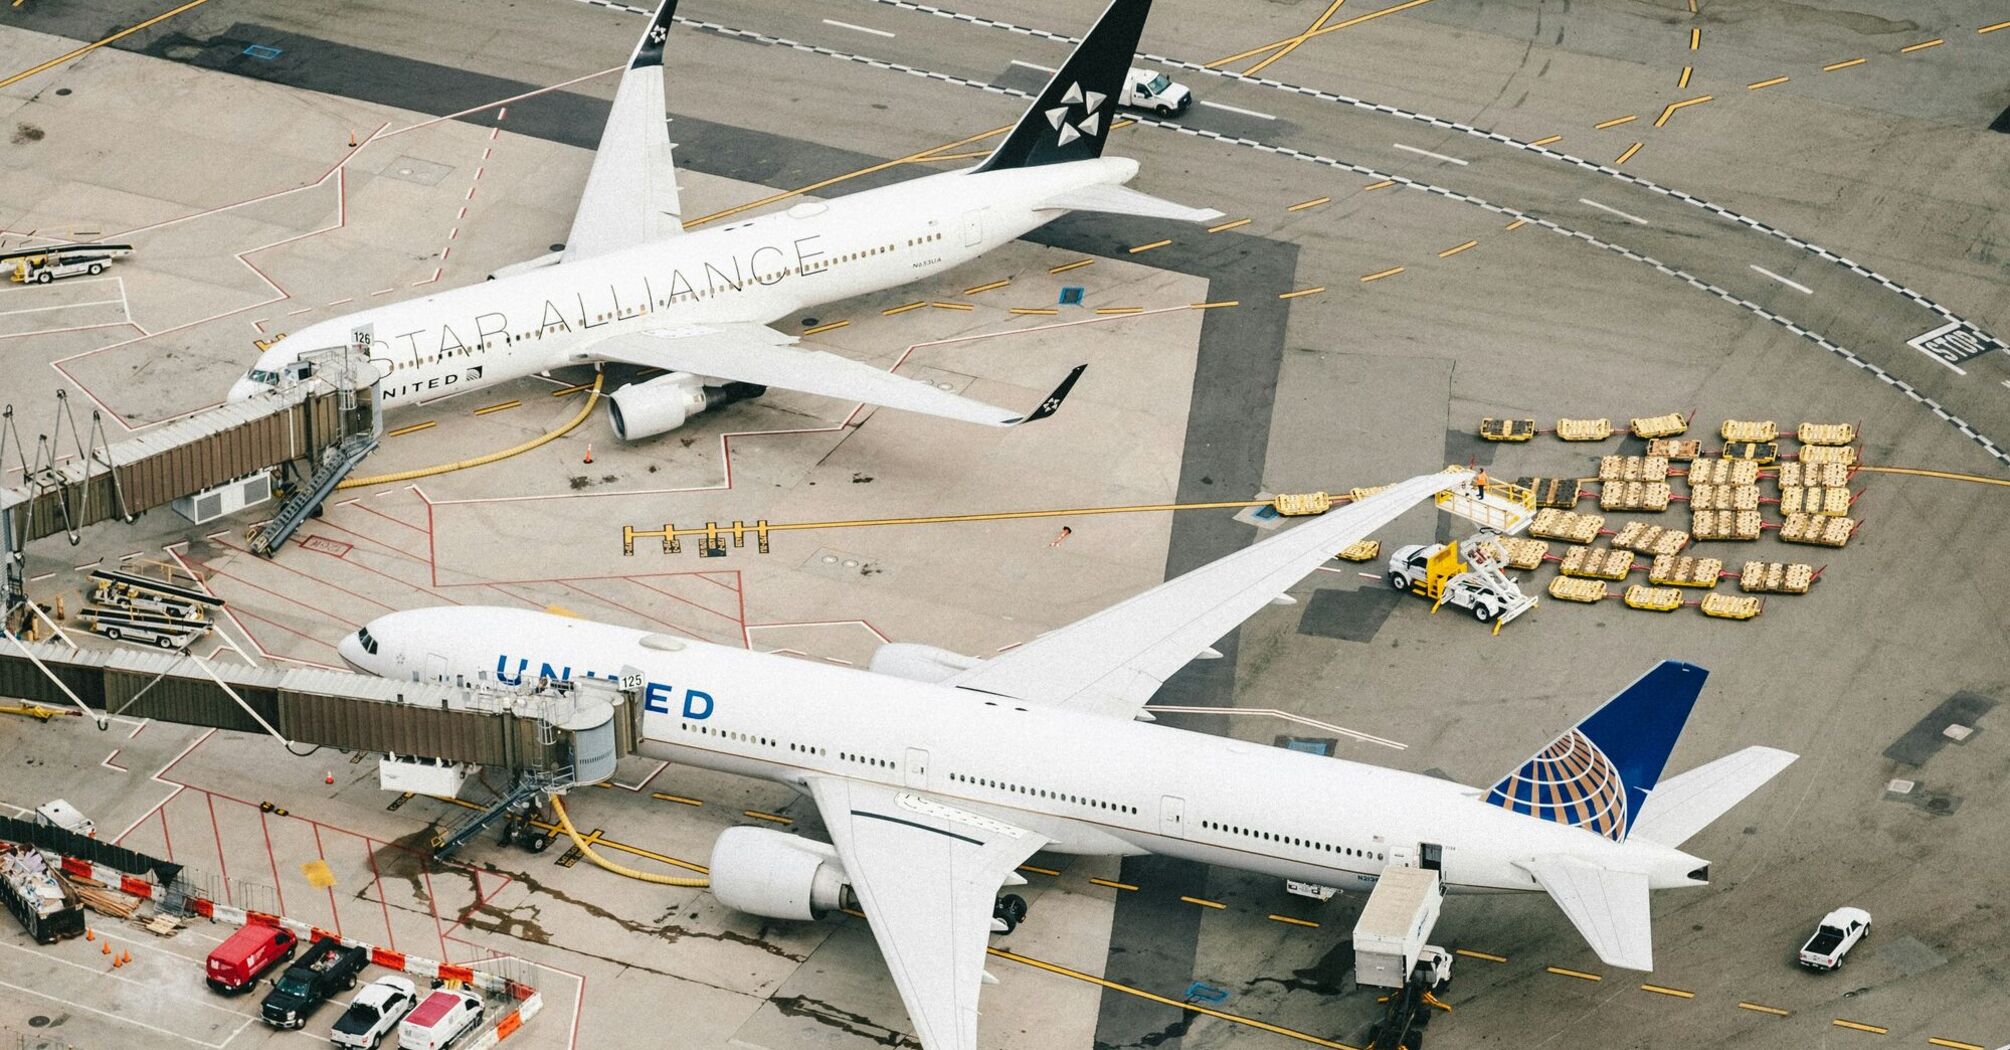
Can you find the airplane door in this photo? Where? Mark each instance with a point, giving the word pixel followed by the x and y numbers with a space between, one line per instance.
pixel 1172 817
pixel 436 667
pixel 973 228
pixel 917 767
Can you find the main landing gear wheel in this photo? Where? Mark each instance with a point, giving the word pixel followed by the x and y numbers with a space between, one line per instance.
pixel 1011 910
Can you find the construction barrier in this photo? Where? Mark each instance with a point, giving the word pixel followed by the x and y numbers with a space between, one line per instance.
pixel 1673 570
pixel 1584 429
pixel 1732 606
pixel 1670 425
pixel 1771 577
pixel 1749 430
pixel 1743 525
pixel 1552 524
pixel 1597 563
pixel 1682 449
pixel 1568 589
pixel 1817 529
pixel 1650 539
pixel 1826 434
pixel 1634 495
pixel 1653 599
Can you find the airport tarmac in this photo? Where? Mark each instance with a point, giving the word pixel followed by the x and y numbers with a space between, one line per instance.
pixel 1766 254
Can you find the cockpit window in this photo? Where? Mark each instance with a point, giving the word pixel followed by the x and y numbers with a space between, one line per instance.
pixel 368 643
pixel 260 375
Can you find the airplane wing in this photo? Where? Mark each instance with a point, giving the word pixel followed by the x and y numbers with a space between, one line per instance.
pixel 753 353
pixel 1681 806
pixel 1609 908
pixel 631 193
pixel 1115 660
pixel 927 875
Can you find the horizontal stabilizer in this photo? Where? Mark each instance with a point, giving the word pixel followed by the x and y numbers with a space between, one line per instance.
pixel 1609 908
pixel 1684 805
pixel 1122 200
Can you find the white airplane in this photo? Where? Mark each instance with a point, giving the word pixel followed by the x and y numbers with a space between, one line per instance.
pixel 632 287
pixel 937 774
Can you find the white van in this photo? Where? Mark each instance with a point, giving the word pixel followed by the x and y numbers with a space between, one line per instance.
pixel 441 1018
pixel 60 814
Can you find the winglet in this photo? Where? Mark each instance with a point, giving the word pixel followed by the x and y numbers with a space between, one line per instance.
pixel 1060 394
pixel 649 50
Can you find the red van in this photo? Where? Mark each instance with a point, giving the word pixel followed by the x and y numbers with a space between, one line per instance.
pixel 246 955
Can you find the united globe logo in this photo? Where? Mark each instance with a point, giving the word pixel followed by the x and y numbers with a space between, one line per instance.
pixel 1569 782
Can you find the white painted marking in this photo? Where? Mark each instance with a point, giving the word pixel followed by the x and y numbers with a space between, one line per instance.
pixel 1244 112
pixel 1029 65
pixel 1613 210
pixel 1433 156
pixel 64 306
pixel 861 29
pixel 1795 285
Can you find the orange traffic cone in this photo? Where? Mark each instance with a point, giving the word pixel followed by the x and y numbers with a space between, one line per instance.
pixel 90 935
pixel 589 452
pixel 352 138
pixel 105 948
pixel 126 956
pixel 116 963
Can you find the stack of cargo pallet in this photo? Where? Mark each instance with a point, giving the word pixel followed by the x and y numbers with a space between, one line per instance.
pixel 1681 570
pixel 1771 577
pixel 1723 472
pixel 1634 495
pixel 1826 434
pixel 1493 429
pixel 1803 474
pixel 1632 468
pixel 1794 500
pixel 1761 430
pixel 1650 539
pixel 1569 589
pixel 1362 550
pixel 1597 563
pixel 1647 428
pixel 1723 497
pixel 1653 599
pixel 1523 553
pixel 1740 525
pixel 1562 493
pixel 1732 606
pixel 1551 524
pixel 1675 449
pixel 1817 529
pixel 1584 429
pixel 1843 454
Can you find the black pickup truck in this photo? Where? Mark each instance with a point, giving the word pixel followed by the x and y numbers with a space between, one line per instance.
pixel 326 968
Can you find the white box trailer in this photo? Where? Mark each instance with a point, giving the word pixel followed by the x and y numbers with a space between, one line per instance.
pixel 1395 924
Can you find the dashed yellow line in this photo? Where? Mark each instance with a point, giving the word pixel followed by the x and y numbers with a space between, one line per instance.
pixel 1000 283
pixel 1379 274
pixel 1125 886
pixel 1076 265
pixel 829 327
pixel 943 305
pixel 1953 1044
pixel 1486 956
pixel 1683 80
pixel 772 818
pixel 1293 41
pixel 681 800
pixel 1120 309
pixel 1683 104
pixel 1922 45
pixel 1036 311
pixel 1759 1008
pixel 1579 974
pixel 96 44
pixel 1551 140
pixel 1035 869
pixel 1301 291
pixel 1628 155
pixel 1616 121
pixel 567 391
pixel 1984 29
pixel 915 305
pixel 1756 85
pixel 1214 305
pixel 1833 66
pixel 1204 902
pixel 1189 1007
pixel 1382 185
pixel 1695 38
pixel 1289 921
pixel 1313 203
pixel 500 406
pixel 1859 1026
pixel 1148 247
pixel 1663 990
pixel 1457 248
pixel 1517 224
pixel 1229 225
pixel 413 429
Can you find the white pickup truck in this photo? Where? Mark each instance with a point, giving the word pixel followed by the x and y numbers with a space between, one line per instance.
pixel 1153 90
pixel 1840 930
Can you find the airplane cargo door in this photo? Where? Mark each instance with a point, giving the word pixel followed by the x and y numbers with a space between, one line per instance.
pixel 917 767
pixel 1172 817
pixel 973 228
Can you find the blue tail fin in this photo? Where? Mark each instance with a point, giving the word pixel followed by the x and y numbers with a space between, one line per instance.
pixel 1599 772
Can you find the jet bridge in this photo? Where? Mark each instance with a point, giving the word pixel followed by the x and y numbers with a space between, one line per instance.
pixel 557 734
pixel 325 414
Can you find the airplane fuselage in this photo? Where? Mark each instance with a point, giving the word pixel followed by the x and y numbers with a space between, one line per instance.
pixel 1090 783
pixel 754 270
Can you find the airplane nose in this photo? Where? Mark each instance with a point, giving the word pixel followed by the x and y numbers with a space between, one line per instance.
pixel 242 390
pixel 352 653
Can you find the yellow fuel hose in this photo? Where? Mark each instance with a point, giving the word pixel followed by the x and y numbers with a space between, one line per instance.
pixel 592 395
pixel 565 823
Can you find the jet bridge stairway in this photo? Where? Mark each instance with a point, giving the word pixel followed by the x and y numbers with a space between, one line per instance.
pixel 337 461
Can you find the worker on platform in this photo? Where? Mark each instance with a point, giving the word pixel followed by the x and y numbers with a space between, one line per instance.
pixel 1480 482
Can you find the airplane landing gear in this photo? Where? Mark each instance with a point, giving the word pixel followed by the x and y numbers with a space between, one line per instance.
pixel 1010 910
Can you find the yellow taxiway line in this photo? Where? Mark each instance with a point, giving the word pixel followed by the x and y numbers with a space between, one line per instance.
pixel 96 44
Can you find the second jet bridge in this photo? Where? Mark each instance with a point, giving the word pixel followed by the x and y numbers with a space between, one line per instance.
pixel 556 733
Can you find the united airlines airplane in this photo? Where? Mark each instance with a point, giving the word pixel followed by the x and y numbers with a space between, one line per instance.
pixel 632 287
pixel 937 774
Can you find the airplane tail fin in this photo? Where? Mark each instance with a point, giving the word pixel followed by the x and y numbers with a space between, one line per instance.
pixel 1598 774
pixel 1070 120
pixel 1686 804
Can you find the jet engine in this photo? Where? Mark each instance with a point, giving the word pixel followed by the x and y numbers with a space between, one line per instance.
pixel 644 410
pixel 921 663
pixel 777 876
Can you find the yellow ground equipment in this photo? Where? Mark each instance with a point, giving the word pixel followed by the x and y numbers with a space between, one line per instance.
pixel 1584 429
pixel 1570 589
pixel 1492 429
pixel 1649 427
pixel 1362 550
pixel 1681 570
pixel 1732 606
pixel 1771 577
pixel 1760 430
pixel 1653 599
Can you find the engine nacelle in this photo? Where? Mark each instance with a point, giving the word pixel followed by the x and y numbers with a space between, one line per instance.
pixel 777 876
pixel 920 663
pixel 644 410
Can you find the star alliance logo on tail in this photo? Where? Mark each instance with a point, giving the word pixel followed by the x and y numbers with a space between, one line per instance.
pixel 1091 122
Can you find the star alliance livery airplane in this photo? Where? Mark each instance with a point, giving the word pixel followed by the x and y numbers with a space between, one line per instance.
pixel 938 774
pixel 632 287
